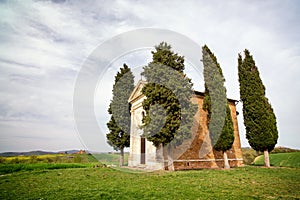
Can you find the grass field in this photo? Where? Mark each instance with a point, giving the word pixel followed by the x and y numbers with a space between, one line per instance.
pixel 10 168
pixel 82 177
pixel 107 183
pixel 281 159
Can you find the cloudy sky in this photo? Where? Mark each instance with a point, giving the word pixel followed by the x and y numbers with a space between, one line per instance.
pixel 44 43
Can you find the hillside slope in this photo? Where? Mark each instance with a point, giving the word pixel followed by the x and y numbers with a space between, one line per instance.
pixel 281 159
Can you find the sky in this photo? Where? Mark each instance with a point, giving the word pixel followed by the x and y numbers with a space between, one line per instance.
pixel 43 45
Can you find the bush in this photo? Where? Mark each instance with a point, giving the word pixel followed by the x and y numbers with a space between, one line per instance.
pixel 57 159
pixel 78 159
pixel 249 158
pixel 249 155
pixel 15 161
pixel 33 159
pixel 2 160
pixel 50 160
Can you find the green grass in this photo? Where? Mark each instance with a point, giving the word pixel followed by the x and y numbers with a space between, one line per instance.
pixel 106 183
pixel 10 168
pixel 281 159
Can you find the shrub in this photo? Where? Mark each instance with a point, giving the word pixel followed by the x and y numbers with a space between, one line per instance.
pixel 2 160
pixel 33 159
pixel 78 159
pixel 15 161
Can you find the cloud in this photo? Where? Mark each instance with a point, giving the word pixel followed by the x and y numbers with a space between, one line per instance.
pixel 44 43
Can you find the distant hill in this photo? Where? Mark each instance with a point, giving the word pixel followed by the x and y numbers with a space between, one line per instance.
pixel 281 149
pixel 29 153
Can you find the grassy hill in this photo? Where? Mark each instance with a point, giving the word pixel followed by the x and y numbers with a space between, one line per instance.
pixel 82 177
pixel 281 159
pixel 250 154
pixel 106 183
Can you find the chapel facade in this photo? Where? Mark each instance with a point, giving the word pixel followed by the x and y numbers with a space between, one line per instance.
pixel 143 154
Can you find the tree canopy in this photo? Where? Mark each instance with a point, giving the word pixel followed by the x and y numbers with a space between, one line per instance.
pixel 168 104
pixel 119 109
pixel 259 117
pixel 219 118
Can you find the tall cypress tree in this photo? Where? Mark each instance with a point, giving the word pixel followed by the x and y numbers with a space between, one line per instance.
pixel 168 104
pixel 259 117
pixel 219 118
pixel 119 124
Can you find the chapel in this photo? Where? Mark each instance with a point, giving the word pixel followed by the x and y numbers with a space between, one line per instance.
pixel 144 155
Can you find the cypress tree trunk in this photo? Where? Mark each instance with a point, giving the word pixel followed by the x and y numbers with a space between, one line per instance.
pixel 267 159
pixel 122 157
pixel 170 158
pixel 226 163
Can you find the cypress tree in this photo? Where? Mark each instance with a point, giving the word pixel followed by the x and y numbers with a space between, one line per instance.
pixel 119 109
pixel 215 102
pixel 259 117
pixel 169 111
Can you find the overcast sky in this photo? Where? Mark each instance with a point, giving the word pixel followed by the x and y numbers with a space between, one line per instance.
pixel 44 43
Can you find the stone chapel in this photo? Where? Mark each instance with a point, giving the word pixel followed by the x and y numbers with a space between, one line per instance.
pixel 143 154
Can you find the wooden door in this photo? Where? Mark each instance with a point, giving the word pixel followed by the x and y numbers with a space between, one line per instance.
pixel 143 150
